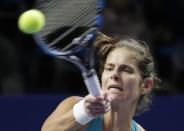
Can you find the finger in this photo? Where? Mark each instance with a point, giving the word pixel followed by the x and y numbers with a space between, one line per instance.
pixel 100 108
pixel 97 113
pixel 105 97
pixel 95 106
pixel 94 111
pixel 107 107
pixel 92 99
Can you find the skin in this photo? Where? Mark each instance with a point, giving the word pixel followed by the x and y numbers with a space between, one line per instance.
pixel 121 78
pixel 122 86
pixel 122 81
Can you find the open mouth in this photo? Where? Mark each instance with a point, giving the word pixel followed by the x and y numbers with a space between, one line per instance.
pixel 115 87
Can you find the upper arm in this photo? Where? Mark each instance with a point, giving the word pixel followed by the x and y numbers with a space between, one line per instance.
pixel 67 104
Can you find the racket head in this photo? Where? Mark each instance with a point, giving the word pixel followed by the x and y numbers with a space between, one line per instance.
pixel 67 20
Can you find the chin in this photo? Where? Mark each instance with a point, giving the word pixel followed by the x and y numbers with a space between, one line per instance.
pixel 115 97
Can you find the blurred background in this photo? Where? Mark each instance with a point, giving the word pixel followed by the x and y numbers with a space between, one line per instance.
pixel 32 83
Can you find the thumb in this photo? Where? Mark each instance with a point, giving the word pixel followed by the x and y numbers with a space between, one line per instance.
pixel 105 96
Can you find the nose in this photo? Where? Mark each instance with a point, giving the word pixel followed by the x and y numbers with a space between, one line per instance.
pixel 115 75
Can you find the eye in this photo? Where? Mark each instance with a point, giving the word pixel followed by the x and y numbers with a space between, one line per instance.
pixel 108 68
pixel 127 70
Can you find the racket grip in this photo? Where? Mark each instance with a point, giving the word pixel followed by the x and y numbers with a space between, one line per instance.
pixel 92 83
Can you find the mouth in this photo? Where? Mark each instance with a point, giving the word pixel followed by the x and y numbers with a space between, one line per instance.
pixel 115 87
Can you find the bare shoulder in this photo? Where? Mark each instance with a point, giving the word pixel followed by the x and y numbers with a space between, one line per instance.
pixel 69 102
pixel 64 107
pixel 140 127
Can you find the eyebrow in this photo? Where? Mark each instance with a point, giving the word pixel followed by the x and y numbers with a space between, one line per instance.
pixel 122 65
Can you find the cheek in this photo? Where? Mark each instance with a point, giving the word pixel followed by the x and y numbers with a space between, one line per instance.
pixel 133 86
pixel 104 80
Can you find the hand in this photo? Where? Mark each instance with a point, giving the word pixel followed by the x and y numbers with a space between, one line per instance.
pixel 96 106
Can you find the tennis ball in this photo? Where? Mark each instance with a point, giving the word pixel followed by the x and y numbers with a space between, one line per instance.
pixel 31 21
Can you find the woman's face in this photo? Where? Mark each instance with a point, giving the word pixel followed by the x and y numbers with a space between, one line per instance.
pixel 121 77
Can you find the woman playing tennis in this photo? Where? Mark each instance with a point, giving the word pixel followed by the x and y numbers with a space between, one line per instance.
pixel 127 80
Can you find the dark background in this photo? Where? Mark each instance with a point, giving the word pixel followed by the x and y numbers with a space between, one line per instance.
pixel 32 83
pixel 24 69
pixel 27 113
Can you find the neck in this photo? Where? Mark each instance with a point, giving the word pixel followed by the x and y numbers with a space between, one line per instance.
pixel 118 119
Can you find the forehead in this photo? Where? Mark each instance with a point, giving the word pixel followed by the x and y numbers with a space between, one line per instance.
pixel 122 56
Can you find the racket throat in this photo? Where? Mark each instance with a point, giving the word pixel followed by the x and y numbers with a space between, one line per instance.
pixel 89 73
pixel 92 82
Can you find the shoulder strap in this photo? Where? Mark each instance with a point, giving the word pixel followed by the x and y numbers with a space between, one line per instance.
pixel 134 126
pixel 97 125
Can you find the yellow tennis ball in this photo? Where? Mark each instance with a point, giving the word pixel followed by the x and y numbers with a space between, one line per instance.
pixel 31 21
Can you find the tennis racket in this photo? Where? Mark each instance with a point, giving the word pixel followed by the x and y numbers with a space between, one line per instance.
pixel 70 30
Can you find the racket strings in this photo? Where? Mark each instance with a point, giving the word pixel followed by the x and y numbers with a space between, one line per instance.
pixel 70 23
pixel 71 10
pixel 82 16
pixel 74 27
pixel 66 13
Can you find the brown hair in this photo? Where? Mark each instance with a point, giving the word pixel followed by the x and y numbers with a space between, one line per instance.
pixel 105 45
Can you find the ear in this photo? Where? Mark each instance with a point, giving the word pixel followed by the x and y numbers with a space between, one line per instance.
pixel 147 86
